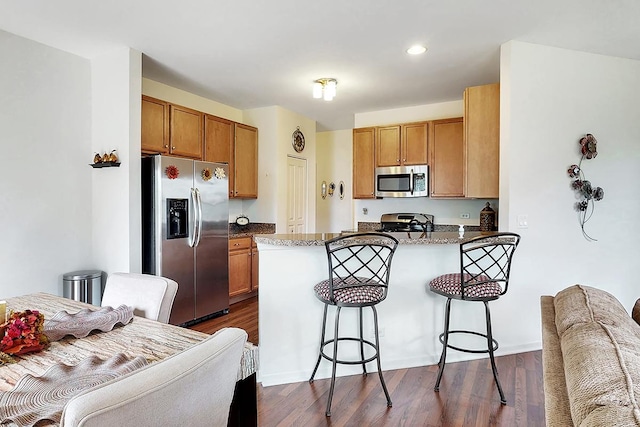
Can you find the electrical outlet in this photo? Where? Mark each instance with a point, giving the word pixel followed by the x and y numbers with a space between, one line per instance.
pixel 465 215
pixel 372 333
pixel 365 211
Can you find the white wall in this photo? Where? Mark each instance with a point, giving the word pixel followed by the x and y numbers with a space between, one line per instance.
pixel 275 128
pixel 335 159
pixel 550 98
pixel 418 113
pixel 45 128
pixel 189 100
pixel 116 213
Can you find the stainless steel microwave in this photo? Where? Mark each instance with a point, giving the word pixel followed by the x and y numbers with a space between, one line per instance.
pixel 402 181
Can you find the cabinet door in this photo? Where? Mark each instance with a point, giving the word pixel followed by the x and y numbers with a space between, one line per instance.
pixel 447 158
pixel 414 143
pixel 239 272
pixel 255 267
pixel 363 163
pixel 239 266
pixel 388 146
pixel 155 126
pixel 218 143
pixel 185 132
pixel 246 162
pixel 482 140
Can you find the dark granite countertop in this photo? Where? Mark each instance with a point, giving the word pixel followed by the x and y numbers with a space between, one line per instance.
pixel 236 232
pixel 412 238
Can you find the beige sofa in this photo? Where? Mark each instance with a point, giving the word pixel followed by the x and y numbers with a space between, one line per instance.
pixel 591 359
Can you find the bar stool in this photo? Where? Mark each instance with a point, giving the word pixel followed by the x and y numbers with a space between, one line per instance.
pixel 359 267
pixel 485 264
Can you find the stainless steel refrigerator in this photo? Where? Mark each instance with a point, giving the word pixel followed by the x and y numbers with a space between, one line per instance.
pixel 185 232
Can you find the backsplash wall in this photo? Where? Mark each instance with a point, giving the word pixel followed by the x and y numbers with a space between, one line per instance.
pixel 445 211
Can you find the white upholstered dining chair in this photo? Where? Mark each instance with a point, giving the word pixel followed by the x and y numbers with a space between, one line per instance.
pixel 192 388
pixel 150 296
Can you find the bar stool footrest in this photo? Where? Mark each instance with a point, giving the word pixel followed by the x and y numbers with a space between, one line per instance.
pixel 467 350
pixel 349 362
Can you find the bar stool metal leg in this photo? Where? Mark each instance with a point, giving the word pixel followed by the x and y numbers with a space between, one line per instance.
pixel 364 365
pixel 444 338
pixel 324 326
pixel 492 346
pixel 334 362
pixel 384 386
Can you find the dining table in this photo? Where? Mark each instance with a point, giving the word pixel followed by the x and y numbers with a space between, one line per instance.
pixel 150 339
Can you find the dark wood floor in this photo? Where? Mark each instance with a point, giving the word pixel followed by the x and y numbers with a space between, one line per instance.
pixel 243 314
pixel 467 397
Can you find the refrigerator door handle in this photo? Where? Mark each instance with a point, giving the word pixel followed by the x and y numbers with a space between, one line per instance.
pixel 194 228
pixel 199 212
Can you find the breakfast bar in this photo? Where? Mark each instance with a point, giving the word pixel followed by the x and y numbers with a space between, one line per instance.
pixel 410 319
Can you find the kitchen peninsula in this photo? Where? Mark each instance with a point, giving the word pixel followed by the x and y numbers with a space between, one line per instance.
pixel 410 319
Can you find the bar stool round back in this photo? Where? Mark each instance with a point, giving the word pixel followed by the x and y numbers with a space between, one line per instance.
pixel 485 264
pixel 359 267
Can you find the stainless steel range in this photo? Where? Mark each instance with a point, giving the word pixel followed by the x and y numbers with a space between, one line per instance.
pixel 394 222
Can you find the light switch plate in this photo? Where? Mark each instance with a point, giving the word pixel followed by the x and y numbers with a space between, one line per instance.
pixel 523 221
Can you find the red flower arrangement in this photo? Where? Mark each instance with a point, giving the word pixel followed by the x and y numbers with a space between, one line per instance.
pixel 22 333
pixel 172 172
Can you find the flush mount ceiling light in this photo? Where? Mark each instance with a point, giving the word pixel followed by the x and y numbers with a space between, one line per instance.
pixel 416 50
pixel 325 88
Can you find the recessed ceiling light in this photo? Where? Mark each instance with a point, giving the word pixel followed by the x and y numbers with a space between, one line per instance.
pixel 416 50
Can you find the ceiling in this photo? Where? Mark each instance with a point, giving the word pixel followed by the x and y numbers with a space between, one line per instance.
pixel 249 54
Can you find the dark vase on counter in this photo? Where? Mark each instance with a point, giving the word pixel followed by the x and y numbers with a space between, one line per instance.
pixel 487 218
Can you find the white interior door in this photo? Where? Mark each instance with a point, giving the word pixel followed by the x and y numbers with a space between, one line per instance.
pixel 296 195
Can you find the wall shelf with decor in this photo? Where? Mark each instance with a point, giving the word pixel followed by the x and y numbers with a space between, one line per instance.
pixel 105 165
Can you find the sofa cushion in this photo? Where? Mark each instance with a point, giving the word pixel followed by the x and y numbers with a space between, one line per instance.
pixel 601 353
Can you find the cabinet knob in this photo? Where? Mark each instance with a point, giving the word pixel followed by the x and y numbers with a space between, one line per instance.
pixel 166 146
pixel 173 148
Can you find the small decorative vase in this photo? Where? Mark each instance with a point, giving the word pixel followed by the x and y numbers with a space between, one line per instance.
pixel 487 218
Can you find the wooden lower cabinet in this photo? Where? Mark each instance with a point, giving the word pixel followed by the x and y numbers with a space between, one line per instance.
pixel 243 268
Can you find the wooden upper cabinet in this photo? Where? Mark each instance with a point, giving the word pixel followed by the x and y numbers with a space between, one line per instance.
pixel 218 143
pixel 185 136
pixel 404 144
pixel 446 158
pixel 364 163
pixel 246 162
pixel 388 146
pixel 155 126
pixel 482 140
pixel 415 143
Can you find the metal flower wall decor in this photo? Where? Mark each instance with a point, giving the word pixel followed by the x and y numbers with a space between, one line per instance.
pixel 586 193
